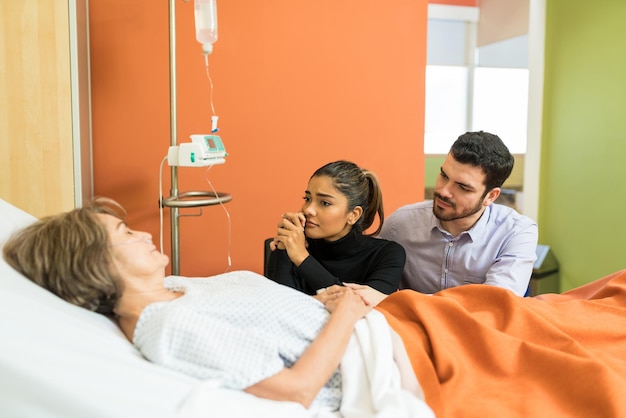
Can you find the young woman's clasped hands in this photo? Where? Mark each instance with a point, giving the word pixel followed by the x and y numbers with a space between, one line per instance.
pixel 290 236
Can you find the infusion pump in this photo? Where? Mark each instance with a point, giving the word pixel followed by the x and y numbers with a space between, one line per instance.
pixel 203 150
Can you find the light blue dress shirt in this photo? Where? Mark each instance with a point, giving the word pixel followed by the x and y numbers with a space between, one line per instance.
pixel 499 250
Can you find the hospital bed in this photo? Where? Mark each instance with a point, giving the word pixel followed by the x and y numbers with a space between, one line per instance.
pixel 492 355
pixel 59 360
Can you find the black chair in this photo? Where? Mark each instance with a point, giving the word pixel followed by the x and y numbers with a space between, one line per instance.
pixel 266 256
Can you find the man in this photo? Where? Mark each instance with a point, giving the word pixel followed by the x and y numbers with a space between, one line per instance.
pixel 461 236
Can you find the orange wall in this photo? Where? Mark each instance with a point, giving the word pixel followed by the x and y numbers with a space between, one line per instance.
pixel 471 3
pixel 296 85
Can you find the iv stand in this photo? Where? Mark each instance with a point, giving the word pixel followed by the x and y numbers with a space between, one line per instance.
pixel 178 200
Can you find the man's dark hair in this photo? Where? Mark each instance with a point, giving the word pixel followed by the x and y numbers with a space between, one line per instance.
pixel 487 151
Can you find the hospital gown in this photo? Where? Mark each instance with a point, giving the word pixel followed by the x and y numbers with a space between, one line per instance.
pixel 237 327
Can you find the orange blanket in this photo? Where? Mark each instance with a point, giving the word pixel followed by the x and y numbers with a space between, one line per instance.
pixel 481 351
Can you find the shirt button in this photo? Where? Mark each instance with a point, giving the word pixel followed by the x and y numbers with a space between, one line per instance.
pixel 450 244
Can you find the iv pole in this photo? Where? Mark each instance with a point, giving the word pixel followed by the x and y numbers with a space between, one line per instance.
pixel 178 200
pixel 174 221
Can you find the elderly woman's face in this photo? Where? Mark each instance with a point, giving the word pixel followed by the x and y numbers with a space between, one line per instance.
pixel 133 252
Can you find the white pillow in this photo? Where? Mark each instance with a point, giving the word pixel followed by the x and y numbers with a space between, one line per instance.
pixel 11 219
pixel 59 360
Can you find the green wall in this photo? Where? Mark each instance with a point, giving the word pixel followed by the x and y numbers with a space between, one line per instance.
pixel 583 163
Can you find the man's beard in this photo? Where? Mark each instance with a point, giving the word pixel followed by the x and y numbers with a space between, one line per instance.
pixel 439 213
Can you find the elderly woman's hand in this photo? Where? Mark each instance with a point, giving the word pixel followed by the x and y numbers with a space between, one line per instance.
pixel 347 302
pixel 329 293
pixel 372 296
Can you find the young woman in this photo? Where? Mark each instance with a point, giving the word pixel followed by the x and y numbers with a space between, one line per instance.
pixel 325 243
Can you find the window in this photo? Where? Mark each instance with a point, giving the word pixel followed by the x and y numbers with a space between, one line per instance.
pixel 501 105
pixel 446 107
pixel 470 88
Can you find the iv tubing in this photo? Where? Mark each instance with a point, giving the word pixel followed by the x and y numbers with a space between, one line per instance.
pixel 221 202
pixel 208 74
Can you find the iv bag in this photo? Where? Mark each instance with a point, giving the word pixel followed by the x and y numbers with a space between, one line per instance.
pixel 205 13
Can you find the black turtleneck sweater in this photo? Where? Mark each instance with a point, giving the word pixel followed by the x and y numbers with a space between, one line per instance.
pixel 355 258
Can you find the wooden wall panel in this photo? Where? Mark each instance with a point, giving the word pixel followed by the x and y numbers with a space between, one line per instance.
pixel 36 152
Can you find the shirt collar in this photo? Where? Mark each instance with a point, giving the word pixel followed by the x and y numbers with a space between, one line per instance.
pixel 478 230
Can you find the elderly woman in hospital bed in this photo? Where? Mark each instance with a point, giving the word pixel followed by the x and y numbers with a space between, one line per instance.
pixel 475 350
pixel 237 327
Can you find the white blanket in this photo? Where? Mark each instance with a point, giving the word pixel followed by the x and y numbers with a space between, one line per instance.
pixel 371 378
pixel 371 386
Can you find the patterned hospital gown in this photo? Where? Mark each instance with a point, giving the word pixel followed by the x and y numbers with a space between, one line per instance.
pixel 238 327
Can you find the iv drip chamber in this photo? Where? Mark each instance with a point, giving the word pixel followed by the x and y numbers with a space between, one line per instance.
pixel 205 13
